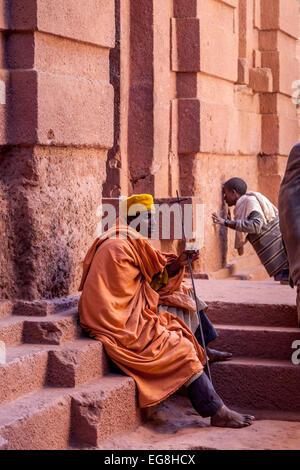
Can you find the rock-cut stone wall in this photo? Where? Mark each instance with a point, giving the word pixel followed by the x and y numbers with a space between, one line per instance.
pixel 114 97
pixel 56 128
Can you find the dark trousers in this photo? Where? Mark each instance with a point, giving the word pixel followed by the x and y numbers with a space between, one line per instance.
pixel 203 396
pixel 201 392
pixel 209 331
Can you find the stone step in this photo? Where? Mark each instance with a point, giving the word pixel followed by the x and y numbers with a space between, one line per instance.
pixel 252 314
pixel 11 330
pixel 51 418
pixel 56 329
pixel 29 367
pixel 6 308
pixel 265 303
pixel 40 420
pixel 245 261
pixel 101 412
pixel 257 341
pixel 251 273
pixel 258 384
pixel 43 308
pixel 77 363
pixel 25 371
pixel 38 308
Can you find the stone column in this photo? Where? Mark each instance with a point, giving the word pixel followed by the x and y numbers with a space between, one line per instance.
pixel 56 128
pixel 204 57
pixel 279 31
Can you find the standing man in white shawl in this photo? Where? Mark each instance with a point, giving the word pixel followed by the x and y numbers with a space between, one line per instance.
pixel 256 220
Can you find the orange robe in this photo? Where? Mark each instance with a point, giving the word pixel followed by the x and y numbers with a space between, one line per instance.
pixel 118 307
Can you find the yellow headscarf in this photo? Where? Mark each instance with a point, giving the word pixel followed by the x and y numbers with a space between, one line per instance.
pixel 135 203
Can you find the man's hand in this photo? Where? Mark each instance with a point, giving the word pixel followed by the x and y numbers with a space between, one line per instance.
pixel 182 261
pixel 217 220
pixel 183 258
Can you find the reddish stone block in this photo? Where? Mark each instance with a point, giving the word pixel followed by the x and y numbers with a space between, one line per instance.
pixel 6 308
pixel 22 102
pixel 258 378
pixel 50 101
pixel 23 373
pixel 61 219
pixel 57 331
pixel 57 55
pixel 246 29
pixel 11 331
pixel 249 133
pixel 188 125
pixel 218 13
pixel 72 111
pixel 43 308
pixel 20 50
pixel 218 51
pixel 215 90
pixel 95 23
pixel 20 15
pixel 258 314
pixel 257 14
pixel 243 72
pixel 261 80
pixel 288 134
pixel 186 85
pixel 194 48
pixel 218 128
pixel 277 103
pixel 268 41
pixel 276 14
pixel 36 308
pixel 185 44
pixel 270 134
pixel 77 364
pixel 279 134
pixel 256 58
pixel 104 409
pixel 277 347
pixel 270 185
pixel 185 8
pixel 45 412
pixel 283 64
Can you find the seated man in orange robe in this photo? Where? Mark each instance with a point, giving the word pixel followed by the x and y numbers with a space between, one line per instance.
pixel 119 307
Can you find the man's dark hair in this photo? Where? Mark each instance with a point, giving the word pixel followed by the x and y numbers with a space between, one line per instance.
pixel 236 184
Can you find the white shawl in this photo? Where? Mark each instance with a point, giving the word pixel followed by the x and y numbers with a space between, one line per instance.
pixel 250 202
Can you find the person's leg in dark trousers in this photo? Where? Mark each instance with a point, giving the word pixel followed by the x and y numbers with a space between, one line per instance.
pixel 210 333
pixel 203 396
pixel 208 403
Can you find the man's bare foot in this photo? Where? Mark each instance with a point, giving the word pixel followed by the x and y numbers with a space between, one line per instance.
pixel 215 355
pixel 226 418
